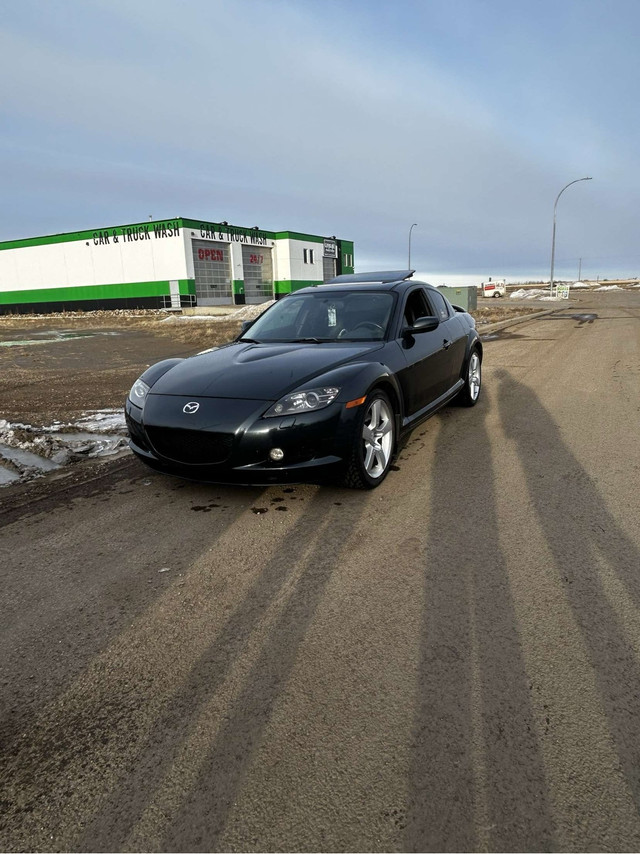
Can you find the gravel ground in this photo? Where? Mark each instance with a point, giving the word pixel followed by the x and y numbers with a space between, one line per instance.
pixel 57 367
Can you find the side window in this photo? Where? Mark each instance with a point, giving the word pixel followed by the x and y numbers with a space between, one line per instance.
pixel 441 310
pixel 415 307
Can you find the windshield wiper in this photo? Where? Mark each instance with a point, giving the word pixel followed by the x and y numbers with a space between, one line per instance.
pixel 307 341
pixel 249 340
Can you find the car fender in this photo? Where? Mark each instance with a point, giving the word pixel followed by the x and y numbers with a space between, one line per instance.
pixel 473 342
pixel 358 379
pixel 153 374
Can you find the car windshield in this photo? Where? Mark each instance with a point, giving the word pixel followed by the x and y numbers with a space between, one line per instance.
pixel 320 318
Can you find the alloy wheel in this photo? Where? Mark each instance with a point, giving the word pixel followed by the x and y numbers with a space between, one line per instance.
pixel 377 435
pixel 474 377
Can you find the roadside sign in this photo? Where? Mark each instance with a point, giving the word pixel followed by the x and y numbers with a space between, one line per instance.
pixel 562 291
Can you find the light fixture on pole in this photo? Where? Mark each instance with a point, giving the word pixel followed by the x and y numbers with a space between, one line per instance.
pixel 410 230
pixel 553 239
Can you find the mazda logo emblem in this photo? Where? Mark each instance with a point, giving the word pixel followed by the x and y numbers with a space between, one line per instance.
pixel 191 408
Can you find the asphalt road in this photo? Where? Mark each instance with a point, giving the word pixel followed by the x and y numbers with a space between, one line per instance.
pixel 450 662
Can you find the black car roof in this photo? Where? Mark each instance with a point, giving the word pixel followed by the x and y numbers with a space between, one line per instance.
pixel 378 277
pixel 385 280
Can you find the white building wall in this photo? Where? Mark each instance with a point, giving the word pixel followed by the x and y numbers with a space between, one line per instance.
pixel 291 264
pixel 82 262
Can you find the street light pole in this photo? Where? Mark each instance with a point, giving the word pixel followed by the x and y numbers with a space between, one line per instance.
pixel 410 230
pixel 553 239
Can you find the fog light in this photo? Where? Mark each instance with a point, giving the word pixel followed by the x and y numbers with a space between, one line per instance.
pixel 276 454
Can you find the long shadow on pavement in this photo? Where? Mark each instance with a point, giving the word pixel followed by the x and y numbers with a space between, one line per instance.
pixel 199 818
pixel 477 780
pixel 60 630
pixel 579 529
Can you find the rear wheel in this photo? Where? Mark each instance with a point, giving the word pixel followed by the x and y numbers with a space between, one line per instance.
pixel 473 381
pixel 374 443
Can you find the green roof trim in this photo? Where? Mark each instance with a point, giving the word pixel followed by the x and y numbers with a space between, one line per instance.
pixel 165 227
pixel 287 286
pixel 126 233
pixel 296 235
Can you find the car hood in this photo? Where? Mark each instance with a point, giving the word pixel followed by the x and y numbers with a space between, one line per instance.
pixel 256 371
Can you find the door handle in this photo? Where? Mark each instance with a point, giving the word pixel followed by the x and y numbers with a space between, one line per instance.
pixel 446 344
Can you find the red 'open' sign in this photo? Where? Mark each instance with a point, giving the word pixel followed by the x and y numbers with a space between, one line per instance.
pixel 210 255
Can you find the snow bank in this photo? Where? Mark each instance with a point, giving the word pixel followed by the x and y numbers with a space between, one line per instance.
pixel 531 293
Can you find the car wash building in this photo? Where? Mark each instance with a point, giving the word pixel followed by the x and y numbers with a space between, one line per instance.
pixel 164 264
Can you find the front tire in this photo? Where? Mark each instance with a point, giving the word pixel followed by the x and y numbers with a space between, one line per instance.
pixel 473 380
pixel 374 443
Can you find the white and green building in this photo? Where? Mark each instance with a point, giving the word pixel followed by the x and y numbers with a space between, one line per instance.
pixel 165 263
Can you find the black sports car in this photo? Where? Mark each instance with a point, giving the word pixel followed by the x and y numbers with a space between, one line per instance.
pixel 326 382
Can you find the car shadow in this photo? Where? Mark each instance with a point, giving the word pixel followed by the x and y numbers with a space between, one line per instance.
pixel 477 779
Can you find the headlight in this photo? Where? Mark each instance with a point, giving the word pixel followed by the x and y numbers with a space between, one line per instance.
pixel 138 393
pixel 304 401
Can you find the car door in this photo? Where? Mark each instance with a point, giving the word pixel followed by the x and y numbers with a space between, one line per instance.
pixel 425 374
pixel 453 335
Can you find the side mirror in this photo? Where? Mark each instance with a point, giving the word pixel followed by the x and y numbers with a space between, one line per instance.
pixel 245 325
pixel 423 324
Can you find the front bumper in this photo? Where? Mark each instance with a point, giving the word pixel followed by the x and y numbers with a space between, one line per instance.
pixel 229 441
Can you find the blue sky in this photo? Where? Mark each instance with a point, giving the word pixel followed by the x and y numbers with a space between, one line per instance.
pixel 347 118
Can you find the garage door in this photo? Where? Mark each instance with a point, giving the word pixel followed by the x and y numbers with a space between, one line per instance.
pixel 328 269
pixel 212 267
pixel 258 274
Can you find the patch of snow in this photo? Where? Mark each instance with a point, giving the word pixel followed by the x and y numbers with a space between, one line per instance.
pixel 609 288
pixel 179 318
pixel 53 337
pixel 246 312
pixel 31 451
pixel 7 475
pixel 530 293
pixel 102 420
pixel 26 459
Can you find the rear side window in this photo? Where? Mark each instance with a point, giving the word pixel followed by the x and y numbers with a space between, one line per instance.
pixel 440 308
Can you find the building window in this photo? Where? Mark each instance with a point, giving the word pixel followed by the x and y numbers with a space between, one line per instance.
pixel 348 260
pixel 308 256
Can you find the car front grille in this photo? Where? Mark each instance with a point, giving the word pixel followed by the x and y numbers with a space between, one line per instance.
pixel 192 447
pixel 136 432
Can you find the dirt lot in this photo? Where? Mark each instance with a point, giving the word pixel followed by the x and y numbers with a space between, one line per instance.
pixel 57 367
